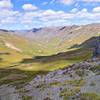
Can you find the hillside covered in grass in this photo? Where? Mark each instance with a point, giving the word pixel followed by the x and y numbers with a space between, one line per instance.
pixel 24 55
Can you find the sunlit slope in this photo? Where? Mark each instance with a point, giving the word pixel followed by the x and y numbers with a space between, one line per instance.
pixel 15 48
pixel 12 58
pixel 12 49
pixel 21 60
pixel 18 43
pixel 49 41
pixel 45 43
pixel 54 62
pixel 53 40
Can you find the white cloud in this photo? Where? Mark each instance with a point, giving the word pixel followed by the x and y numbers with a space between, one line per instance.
pixel 79 16
pixel 74 10
pixel 84 10
pixel 7 12
pixel 9 16
pixel 29 7
pixel 97 9
pixel 52 1
pixel 5 4
pixel 70 2
pixel 49 12
pixel 8 20
pixel 44 3
pixel 48 17
pixel 90 0
pixel 67 2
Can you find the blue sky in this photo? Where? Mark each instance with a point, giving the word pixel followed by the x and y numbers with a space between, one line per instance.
pixel 27 14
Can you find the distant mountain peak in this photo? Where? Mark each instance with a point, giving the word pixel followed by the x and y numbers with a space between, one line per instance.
pixel 36 29
pixel 4 30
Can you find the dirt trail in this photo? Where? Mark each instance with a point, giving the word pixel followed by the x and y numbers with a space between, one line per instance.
pixel 9 45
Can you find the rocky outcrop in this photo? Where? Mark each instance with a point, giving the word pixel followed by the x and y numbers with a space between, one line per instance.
pixel 96 52
pixel 63 84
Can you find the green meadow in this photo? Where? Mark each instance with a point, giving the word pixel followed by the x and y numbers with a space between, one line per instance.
pixel 36 59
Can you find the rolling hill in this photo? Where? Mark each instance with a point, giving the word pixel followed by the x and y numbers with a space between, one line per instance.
pixel 53 40
pixel 43 54
pixel 53 44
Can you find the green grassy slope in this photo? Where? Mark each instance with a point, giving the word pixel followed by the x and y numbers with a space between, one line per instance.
pixel 35 58
pixel 20 72
pixel 47 61
pixel 54 40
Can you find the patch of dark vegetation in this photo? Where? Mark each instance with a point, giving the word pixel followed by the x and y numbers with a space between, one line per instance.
pixel 74 46
pixel 17 77
pixel 67 93
pixel 4 53
pixel 27 98
pixel 90 43
pixel 93 43
pixel 77 82
pixel 70 55
pixel 80 72
pixel 70 32
pixel 96 69
pixel 90 46
pixel 47 98
pixel 89 96
pixel 92 84
pixel 1 59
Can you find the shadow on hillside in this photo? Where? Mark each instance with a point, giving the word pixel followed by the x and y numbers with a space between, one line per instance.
pixel 57 57
pixel 82 52
pixel 17 71
pixel 86 47
pixel 4 53
pixel 0 59
pixel 90 43
pixel 18 77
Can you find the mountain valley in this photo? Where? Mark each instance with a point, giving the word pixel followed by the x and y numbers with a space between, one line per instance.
pixel 51 63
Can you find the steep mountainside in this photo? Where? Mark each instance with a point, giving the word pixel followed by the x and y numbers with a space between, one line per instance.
pixel 50 63
pixel 80 81
pixel 59 39
pixel 48 44
pixel 47 41
pixel 13 48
